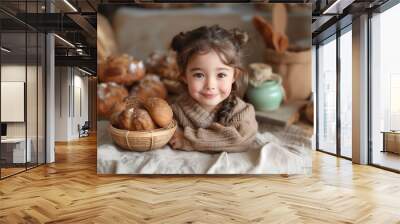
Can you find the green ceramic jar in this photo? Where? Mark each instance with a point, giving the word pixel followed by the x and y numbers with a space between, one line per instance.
pixel 266 97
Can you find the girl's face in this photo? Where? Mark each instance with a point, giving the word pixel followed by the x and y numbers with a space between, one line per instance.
pixel 209 80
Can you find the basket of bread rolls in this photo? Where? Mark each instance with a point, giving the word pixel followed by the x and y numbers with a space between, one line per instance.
pixel 133 94
pixel 143 125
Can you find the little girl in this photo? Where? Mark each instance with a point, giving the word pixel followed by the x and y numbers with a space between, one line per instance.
pixel 209 114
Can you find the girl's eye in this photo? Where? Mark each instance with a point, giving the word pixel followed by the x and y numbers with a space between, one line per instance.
pixel 221 75
pixel 198 75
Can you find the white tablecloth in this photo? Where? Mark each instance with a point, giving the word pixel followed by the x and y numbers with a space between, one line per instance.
pixel 270 156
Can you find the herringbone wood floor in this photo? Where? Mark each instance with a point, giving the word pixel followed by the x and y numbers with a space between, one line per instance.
pixel 70 191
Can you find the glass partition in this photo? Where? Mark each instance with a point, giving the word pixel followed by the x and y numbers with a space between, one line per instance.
pixel 13 94
pixel 385 89
pixel 327 96
pixel 346 94
pixel 22 91
pixel 41 109
pixel 31 98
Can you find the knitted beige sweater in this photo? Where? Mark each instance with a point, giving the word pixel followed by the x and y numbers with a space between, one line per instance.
pixel 203 133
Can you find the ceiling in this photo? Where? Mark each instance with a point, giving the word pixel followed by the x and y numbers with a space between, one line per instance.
pixel 79 27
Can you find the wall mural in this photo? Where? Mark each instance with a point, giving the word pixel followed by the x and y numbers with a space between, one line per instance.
pixel 204 89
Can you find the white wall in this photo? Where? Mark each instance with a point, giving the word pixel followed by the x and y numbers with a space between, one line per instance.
pixel 61 103
pixel 166 23
pixel 79 117
pixel 70 83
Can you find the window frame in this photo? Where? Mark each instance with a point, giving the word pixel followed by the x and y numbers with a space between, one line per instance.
pixel 336 36
pixel 27 29
pixel 378 10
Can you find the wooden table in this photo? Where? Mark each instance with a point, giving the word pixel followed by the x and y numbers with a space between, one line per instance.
pixel 391 141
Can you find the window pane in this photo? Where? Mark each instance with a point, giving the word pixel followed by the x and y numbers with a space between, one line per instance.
pixel 15 151
pixel 327 97
pixel 41 98
pixel 31 99
pixel 385 82
pixel 346 94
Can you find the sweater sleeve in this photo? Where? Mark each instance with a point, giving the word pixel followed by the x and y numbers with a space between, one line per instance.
pixel 235 137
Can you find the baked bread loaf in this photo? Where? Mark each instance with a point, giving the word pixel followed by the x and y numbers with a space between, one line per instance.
pixel 118 107
pixel 159 110
pixel 133 119
pixel 114 119
pixel 122 69
pixel 140 115
pixel 163 64
pixel 141 120
pixel 110 98
pixel 133 101
pixel 149 86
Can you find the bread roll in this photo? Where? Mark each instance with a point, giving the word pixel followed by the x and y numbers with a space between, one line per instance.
pixel 163 64
pixel 133 101
pixel 109 98
pixel 150 86
pixel 133 119
pixel 141 120
pixel 159 111
pixel 118 107
pixel 122 69
pixel 125 119
pixel 114 119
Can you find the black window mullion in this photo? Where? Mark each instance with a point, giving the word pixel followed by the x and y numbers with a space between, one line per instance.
pixel 37 90
pixel 26 87
pixel 45 94
pixel 44 72
pixel 338 34
pixel 369 91
pixel 338 117
pixel 317 96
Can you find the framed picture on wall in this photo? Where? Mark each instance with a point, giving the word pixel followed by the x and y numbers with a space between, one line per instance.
pixel 12 101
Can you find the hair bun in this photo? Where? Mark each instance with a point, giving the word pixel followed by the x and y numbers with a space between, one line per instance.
pixel 178 42
pixel 240 37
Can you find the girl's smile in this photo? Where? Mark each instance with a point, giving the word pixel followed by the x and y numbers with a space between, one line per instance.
pixel 209 95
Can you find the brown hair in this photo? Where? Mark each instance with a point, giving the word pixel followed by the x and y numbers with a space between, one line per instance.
pixel 227 44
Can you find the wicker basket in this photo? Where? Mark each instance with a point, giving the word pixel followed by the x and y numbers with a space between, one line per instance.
pixel 142 140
